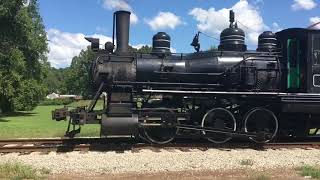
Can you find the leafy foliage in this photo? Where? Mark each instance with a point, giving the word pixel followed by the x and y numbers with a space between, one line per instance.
pixel 23 47
pixel 143 49
pixel 308 170
pixel 55 80
pixel 78 75
pixel 55 102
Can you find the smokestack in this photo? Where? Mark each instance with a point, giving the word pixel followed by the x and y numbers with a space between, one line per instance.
pixel 122 22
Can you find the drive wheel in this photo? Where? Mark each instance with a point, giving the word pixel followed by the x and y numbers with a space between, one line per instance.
pixel 220 119
pixel 261 121
pixel 162 127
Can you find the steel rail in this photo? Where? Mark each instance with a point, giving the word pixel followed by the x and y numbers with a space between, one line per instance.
pixel 97 144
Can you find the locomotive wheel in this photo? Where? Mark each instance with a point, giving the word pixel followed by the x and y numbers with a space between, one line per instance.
pixel 165 132
pixel 261 120
pixel 219 118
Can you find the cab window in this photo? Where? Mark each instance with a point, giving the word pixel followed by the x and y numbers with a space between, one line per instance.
pixel 316 51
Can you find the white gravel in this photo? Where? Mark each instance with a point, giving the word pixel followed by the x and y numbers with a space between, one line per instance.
pixel 147 161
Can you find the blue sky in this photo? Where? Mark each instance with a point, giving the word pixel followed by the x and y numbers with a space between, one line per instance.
pixel 68 21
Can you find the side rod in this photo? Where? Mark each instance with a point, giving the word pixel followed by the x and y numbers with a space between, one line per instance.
pixel 226 132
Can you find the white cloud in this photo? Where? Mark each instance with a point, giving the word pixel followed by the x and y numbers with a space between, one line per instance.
pixel 134 18
pixel 276 27
pixel 121 5
pixel 117 5
pixel 164 20
pixel 139 46
pixel 314 20
pixel 100 29
pixel 213 21
pixel 303 5
pixel 173 50
pixel 63 46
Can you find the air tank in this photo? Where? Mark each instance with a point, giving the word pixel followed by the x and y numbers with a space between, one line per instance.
pixel 267 42
pixel 232 38
pixel 161 43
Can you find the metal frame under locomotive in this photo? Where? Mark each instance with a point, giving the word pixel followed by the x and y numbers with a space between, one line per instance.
pixel 264 96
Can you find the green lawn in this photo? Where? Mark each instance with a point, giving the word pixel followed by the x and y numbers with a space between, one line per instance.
pixel 38 123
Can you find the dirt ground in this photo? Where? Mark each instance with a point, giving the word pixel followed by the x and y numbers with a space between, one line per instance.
pixel 242 174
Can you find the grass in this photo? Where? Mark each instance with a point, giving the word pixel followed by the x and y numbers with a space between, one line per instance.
pixel 38 124
pixel 17 171
pixel 246 162
pixel 80 103
pixel 307 170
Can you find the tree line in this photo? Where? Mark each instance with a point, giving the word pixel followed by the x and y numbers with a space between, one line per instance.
pixel 23 61
pixel 26 76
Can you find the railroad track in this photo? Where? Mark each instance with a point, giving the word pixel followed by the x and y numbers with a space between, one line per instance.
pixel 62 145
pixel 121 145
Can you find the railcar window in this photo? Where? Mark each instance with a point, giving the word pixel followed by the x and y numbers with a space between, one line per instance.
pixel 293 79
pixel 293 53
pixel 316 51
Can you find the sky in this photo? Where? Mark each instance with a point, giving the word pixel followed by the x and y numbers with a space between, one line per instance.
pixel 67 22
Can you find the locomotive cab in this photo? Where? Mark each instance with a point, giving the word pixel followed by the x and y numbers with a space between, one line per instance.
pixel 300 60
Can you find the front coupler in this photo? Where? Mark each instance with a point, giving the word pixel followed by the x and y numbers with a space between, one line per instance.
pixel 77 117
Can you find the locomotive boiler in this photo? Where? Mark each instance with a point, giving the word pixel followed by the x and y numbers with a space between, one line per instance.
pixel 218 94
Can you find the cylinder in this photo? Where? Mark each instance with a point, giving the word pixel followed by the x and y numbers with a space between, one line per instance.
pixel 119 126
pixel 122 19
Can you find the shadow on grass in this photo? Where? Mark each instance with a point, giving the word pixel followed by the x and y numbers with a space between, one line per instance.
pixel 17 114
pixel 3 120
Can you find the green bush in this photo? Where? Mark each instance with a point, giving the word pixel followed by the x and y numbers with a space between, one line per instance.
pixel 54 102
pixel 307 170
pixel 18 171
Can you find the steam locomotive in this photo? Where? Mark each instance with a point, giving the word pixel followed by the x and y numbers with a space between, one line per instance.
pixel 218 94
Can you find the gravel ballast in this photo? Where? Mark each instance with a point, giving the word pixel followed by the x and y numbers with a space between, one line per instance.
pixel 147 161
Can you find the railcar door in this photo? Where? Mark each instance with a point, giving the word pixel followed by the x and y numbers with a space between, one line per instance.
pixel 293 65
pixel 315 63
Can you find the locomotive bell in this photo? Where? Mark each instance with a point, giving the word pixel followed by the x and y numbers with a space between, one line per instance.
pixel 109 47
pixel 161 43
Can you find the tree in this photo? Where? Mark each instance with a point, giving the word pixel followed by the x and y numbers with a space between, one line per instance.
pixel 77 76
pixel 23 48
pixel 143 49
pixel 55 80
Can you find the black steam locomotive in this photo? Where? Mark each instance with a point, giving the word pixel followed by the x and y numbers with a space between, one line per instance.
pixel 218 94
